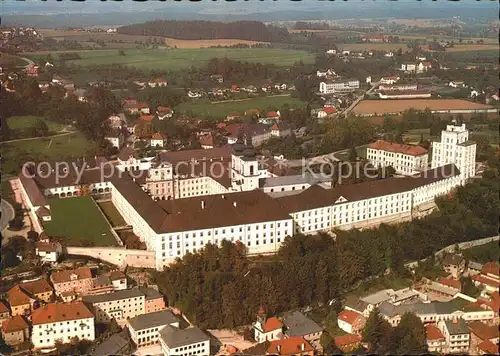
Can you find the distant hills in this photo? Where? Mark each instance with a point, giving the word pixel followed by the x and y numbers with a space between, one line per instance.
pixel 208 30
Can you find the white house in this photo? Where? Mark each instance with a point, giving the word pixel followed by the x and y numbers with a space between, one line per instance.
pixel 457 335
pixel 183 342
pixel 63 322
pixel 405 159
pixel 164 112
pixel 157 140
pixel 455 147
pixel 474 93
pixel 120 305
pixel 339 86
pixel 267 329
pixel 351 321
pixel 144 329
pixel 48 251
pixel 116 138
pixel 331 51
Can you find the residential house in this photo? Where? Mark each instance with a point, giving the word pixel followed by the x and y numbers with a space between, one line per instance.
pixel 291 346
pixel 32 70
pixel 164 112
pixel 348 343
pixel 100 285
pixel 135 107
pixel 393 79
pixel 63 322
pixel 325 73
pixel 118 279
pixel 351 322
pixel 48 251
pixel 281 129
pixel 157 140
pixel 233 116
pixel 207 141
pixel 435 339
pixel 115 121
pixel 74 280
pixel 480 332
pixel 281 87
pixel 259 133
pixel 144 329
pixel 456 84
pixel 326 111
pixel 474 267
pixel 183 342
pixel 153 300
pixel 157 82
pixel 235 88
pixel 4 312
pixel 23 297
pixel 331 51
pixel 116 138
pixel 273 115
pixel 456 334
pixel 267 329
pixel 454 264
pixel 297 324
pixel 15 330
pixel 69 296
pixel 474 93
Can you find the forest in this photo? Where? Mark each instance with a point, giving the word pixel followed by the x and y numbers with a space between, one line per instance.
pixel 208 30
pixel 222 287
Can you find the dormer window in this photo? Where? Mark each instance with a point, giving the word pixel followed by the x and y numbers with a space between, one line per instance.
pixel 73 277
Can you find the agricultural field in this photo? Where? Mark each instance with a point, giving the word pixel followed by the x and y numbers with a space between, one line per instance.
pixel 466 48
pixel 177 59
pixel 373 46
pixel 23 123
pixel 222 109
pixel 382 107
pixel 66 146
pixel 67 222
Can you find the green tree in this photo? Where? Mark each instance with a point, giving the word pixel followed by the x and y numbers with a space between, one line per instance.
pixel 40 129
pixel 353 155
pixel 408 338
pixel 469 288
pixel 377 333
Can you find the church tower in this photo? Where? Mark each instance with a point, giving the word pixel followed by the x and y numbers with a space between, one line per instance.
pixel 244 165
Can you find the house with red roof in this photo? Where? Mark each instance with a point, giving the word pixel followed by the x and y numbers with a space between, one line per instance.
pixel 207 141
pixel 164 112
pixel 326 111
pixel 4 312
pixel 293 346
pixel 351 322
pixel 434 338
pixel 267 329
pixel 453 283
pixel 405 159
pixel 281 129
pixel 348 343
pixel 273 115
pixel 157 140
pixel 15 330
pixel 489 277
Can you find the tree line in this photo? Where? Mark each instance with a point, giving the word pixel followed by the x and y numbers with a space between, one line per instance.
pixel 208 30
pixel 222 287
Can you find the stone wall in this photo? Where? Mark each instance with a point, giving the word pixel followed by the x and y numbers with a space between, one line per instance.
pixel 118 256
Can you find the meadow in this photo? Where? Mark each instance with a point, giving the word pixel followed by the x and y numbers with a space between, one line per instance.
pixel 222 109
pixel 67 222
pixel 23 123
pixel 177 59
pixel 73 145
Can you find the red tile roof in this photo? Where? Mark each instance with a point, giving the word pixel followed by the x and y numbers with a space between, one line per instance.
pixel 272 114
pixel 142 105
pixel 398 148
pixel 345 340
pixel 37 287
pixel 163 108
pixel 3 308
pixel 453 283
pixel 53 312
pixel 349 316
pixel 47 246
pixel 157 136
pixel 147 117
pixel 272 324
pixel 329 110
pixel 65 276
pixel 488 347
pixel 484 280
pixel 289 346
pixel 483 331
pixel 491 268
pixel 433 333
pixel 16 296
pixel 207 140
pixel 13 324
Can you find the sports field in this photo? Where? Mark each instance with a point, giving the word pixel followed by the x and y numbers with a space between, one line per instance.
pixel 73 145
pixel 220 110
pixel 76 220
pixel 382 107
pixel 176 59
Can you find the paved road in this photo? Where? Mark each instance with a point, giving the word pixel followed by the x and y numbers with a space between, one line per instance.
pixel 38 138
pixel 346 111
pixel 7 214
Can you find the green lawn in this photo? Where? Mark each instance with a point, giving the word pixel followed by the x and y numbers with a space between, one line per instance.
pixel 14 154
pixel 112 214
pixel 27 122
pixel 218 110
pixel 176 59
pixel 76 220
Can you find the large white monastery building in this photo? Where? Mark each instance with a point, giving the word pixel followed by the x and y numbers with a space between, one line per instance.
pixel 177 206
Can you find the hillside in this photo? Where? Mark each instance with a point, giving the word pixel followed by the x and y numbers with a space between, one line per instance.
pixel 208 30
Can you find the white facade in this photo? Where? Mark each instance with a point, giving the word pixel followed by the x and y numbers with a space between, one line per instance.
pixel 389 80
pixel 342 86
pixel 185 347
pixel 120 309
pixel 116 141
pixel 45 335
pixel 406 164
pixel 456 148
pixel 157 142
pixel 456 343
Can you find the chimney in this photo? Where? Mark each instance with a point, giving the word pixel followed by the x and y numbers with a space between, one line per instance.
pixel 302 346
pixel 223 197
pixel 234 204
pixel 278 347
pixel 203 204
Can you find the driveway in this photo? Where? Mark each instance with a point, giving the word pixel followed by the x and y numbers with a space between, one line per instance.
pixel 7 214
